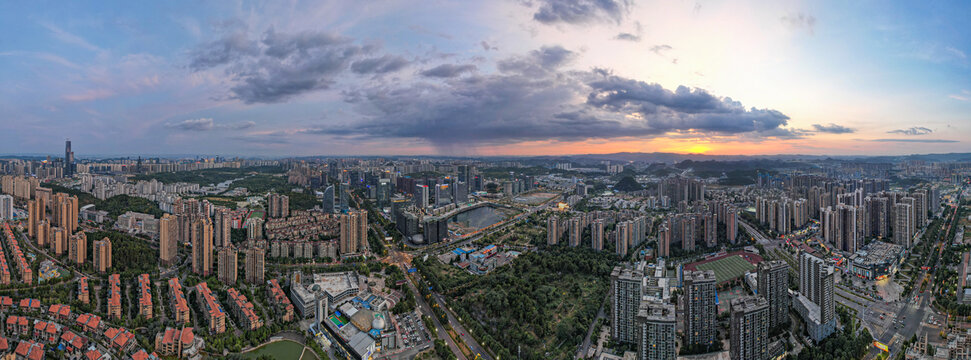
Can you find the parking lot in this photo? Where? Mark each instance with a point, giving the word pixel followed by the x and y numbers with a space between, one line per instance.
pixel 412 330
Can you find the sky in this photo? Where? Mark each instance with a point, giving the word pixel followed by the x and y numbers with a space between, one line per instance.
pixel 485 78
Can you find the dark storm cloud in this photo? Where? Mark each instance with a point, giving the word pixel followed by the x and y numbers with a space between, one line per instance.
pixel 448 70
pixel 531 99
pixel 628 37
pixel 379 65
pixel 916 130
pixel 281 66
pixel 778 133
pixel 207 124
pixel 222 51
pixel 917 140
pixel 274 138
pixel 538 62
pixel 581 11
pixel 833 129
pixel 204 124
pixel 292 64
pixel 282 45
pixel 681 110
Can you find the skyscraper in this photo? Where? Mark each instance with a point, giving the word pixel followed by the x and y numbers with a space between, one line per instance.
pixel 626 289
pixel 442 195
pixel 228 263
pixel 59 240
pixel 383 193
pixel 848 223
pixel 102 255
pixel 597 234
pixel 749 328
pixel 552 230
pixel 222 227
pixel 64 211
pixel 699 308
pixel 6 207
pixel 353 232
pixel 421 196
pixel 877 220
pixel 254 229
pixel 920 207
pixel 278 206
pixel 902 224
pixel 435 229
pixel 839 227
pixel 731 224
pixel 255 263
pixel 347 239
pixel 328 202
pixel 460 192
pixel 362 229
pixel 33 218
pixel 656 331
pixel 68 159
pixel 774 287
pixel 342 195
pixel 202 246
pixel 623 237
pixel 168 236
pixel 575 231
pixel 664 240
pixel 466 173
pixel 816 283
pixel 44 197
pixel 44 233
pixel 78 248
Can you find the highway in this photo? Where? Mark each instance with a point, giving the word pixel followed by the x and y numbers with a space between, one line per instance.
pixel 759 237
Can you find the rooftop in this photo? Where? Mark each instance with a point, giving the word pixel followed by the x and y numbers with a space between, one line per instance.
pixel 336 284
pixel 656 311
pixel 748 303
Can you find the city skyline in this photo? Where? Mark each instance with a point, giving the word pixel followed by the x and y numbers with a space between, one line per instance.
pixel 486 79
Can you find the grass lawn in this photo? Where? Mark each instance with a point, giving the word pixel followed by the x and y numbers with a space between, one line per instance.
pixel 281 350
pixel 728 268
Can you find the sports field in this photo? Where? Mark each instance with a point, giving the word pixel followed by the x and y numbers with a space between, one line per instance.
pixel 281 350
pixel 727 268
pixel 256 214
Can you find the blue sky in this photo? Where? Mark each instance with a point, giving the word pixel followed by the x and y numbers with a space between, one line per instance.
pixel 485 78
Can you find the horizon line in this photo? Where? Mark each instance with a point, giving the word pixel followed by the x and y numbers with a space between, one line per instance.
pixel 169 156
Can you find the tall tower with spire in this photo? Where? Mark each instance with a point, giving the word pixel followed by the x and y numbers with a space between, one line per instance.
pixel 68 159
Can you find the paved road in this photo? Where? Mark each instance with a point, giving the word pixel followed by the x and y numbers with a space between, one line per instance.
pixel 584 348
pixel 914 314
pixel 462 332
pixel 759 237
pixel 427 310
pixel 911 314
pixel 30 245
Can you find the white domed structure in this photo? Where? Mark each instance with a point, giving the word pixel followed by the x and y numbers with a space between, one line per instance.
pixel 378 323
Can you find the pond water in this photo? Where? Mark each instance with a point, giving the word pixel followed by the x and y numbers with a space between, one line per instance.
pixel 479 217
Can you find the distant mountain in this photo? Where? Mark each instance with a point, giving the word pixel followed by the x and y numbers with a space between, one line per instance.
pixel 674 157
